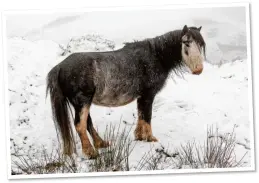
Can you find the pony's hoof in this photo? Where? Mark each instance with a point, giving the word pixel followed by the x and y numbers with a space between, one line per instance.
pixel 148 139
pixel 138 139
pixel 91 153
pixel 102 144
pixel 152 139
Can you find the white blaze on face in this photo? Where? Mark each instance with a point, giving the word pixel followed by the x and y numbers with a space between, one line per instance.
pixel 192 56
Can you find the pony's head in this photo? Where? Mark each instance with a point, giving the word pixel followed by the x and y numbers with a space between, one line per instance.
pixel 193 48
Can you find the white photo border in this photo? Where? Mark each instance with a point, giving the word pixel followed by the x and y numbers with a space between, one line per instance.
pixel 130 8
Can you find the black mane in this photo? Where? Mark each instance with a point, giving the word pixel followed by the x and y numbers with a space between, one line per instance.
pixel 172 38
pixel 167 47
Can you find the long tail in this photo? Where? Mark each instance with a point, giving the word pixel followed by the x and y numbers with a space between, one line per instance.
pixel 60 112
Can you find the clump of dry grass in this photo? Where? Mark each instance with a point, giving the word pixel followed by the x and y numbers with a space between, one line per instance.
pixel 116 156
pixel 42 162
pixel 157 159
pixel 150 161
pixel 218 151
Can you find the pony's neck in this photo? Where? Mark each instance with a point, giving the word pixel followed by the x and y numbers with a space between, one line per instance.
pixel 167 50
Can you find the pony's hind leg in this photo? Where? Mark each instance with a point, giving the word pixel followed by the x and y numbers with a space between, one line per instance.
pixel 81 127
pixel 82 105
pixel 98 141
pixel 143 130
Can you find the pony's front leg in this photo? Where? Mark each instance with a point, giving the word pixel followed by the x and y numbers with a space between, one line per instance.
pixel 143 130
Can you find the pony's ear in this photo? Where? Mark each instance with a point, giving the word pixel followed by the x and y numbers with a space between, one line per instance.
pixel 200 28
pixel 185 30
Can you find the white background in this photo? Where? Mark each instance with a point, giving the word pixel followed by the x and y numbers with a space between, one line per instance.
pixel 51 4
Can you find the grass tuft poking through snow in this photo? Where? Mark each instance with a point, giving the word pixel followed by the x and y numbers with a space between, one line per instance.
pixel 42 162
pixel 116 156
pixel 218 151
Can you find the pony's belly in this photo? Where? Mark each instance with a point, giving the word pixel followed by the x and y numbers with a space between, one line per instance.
pixel 113 102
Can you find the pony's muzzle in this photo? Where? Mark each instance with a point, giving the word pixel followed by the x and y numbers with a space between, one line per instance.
pixel 198 69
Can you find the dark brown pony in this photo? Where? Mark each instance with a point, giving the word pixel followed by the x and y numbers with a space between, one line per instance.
pixel 137 71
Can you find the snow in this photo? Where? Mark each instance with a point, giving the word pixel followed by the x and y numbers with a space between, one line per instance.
pixel 182 111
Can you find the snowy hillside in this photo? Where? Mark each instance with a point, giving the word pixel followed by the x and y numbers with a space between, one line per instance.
pixel 182 111
pixel 224 29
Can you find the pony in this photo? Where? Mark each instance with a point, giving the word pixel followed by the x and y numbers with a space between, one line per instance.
pixel 138 71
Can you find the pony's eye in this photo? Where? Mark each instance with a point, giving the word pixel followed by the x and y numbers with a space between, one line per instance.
pixel 187 43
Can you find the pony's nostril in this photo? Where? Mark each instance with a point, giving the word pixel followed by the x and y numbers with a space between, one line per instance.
pixel 197 72
pixel 198 69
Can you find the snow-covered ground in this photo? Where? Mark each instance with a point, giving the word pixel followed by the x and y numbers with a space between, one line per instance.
pixel 182 110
